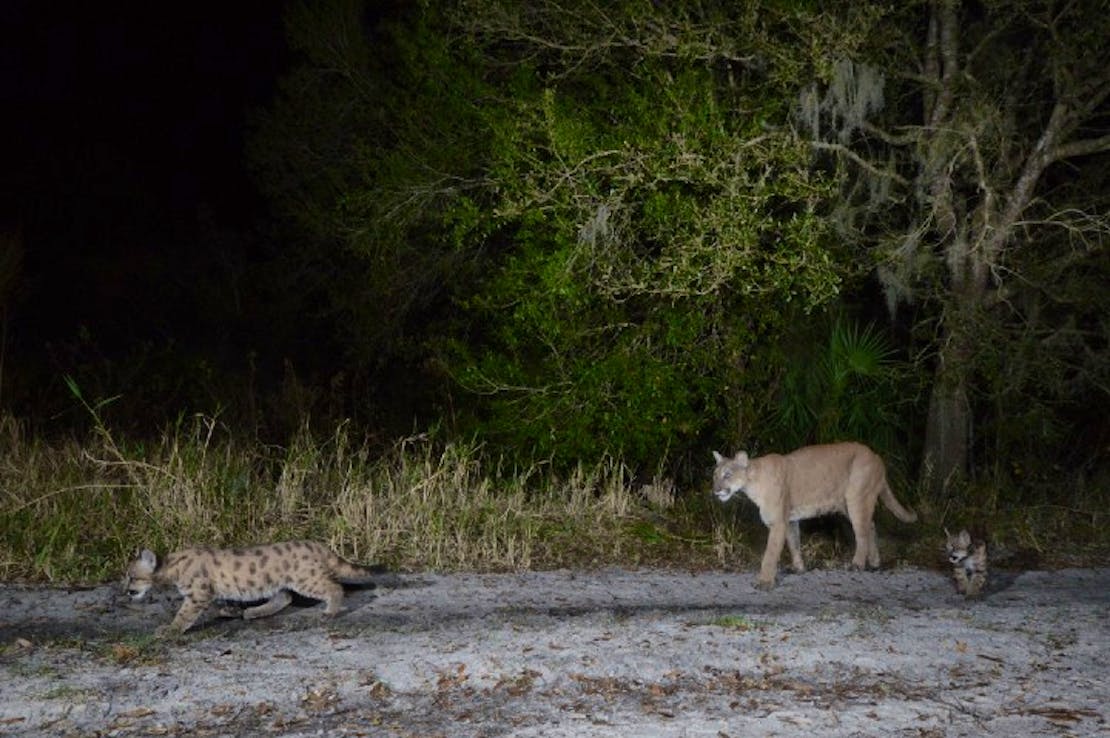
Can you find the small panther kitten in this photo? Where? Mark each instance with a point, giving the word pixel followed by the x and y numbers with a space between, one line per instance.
pixel 270 572
pixel 969 562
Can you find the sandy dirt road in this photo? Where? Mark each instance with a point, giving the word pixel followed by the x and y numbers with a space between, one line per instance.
pixel 577 653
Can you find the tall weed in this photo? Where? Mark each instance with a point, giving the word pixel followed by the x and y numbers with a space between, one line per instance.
pixel 74 510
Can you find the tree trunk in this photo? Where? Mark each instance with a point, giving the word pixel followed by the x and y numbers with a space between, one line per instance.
pixel 948 427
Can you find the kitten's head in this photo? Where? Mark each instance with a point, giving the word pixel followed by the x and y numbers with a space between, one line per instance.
pixel 958 546
pixel 140 573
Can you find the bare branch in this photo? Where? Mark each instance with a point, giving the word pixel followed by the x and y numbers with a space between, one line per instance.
pixel 1088 230
pixel 948 50
pixel 931 70
pixel 1022 192
pixel 859 161
pixel 909 138
pixel 1081 148
pixel 987 207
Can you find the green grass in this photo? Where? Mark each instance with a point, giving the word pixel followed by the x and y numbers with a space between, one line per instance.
pixel 734 622
pixel 72 511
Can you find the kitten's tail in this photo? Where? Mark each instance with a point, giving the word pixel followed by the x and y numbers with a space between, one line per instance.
pixel 349 572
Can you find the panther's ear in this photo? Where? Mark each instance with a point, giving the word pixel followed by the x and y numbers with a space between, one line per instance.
pixel 717 457
pixel 741 458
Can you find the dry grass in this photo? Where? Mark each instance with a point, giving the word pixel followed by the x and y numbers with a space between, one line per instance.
pixel 72 511
pixel 430 506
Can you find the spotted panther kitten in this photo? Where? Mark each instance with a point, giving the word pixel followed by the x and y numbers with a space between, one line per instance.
pixel 270 572
pixel 969 562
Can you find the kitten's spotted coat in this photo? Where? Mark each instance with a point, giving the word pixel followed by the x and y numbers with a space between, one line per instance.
pixel 968 557
pixel 270 572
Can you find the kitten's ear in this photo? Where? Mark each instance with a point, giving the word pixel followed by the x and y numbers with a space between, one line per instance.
pixel 147 557
pixel 717 457
pixel 965 538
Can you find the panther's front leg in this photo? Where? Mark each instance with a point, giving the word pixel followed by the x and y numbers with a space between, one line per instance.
pixel 776 538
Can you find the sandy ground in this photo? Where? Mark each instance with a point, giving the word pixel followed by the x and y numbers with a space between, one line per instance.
pixel 570 653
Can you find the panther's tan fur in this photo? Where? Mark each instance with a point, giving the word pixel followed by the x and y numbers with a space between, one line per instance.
pixel 846 478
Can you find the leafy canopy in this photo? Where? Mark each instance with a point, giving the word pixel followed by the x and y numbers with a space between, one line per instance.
pixel 595 219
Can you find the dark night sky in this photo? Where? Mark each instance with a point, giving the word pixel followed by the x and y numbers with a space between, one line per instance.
pixel 123 121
